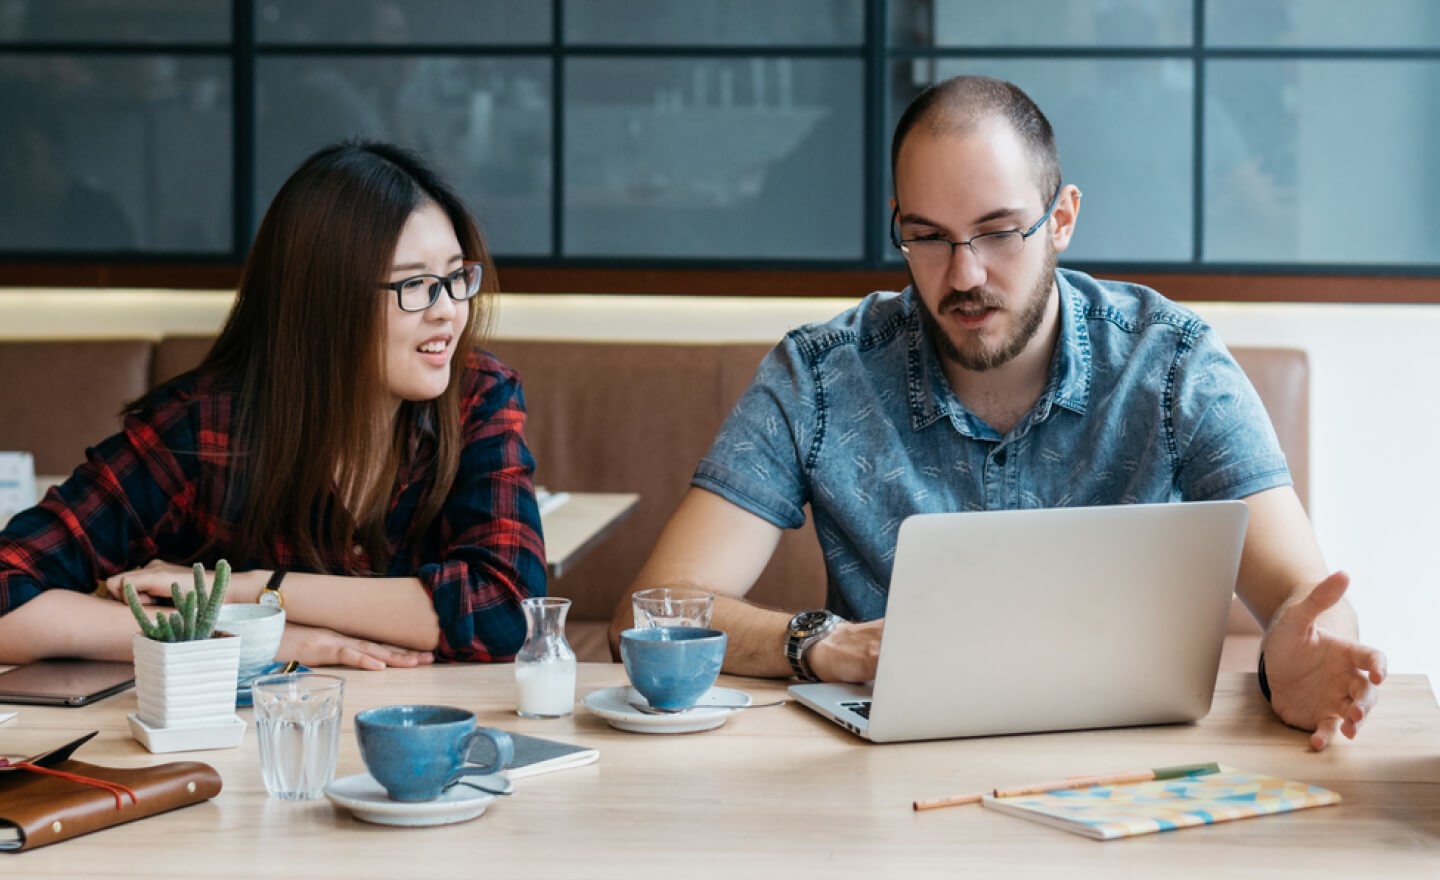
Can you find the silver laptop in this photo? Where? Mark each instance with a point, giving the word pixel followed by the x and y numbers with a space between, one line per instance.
pixel 1019 621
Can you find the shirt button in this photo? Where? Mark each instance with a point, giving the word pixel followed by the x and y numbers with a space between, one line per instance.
pixel 1000 458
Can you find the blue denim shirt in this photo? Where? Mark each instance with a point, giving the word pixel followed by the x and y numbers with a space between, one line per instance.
pixel 855 418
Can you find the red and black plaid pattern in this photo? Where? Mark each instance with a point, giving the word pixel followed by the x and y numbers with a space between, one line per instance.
pixel 157 490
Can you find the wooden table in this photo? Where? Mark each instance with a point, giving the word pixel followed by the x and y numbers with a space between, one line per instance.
pixel 774 793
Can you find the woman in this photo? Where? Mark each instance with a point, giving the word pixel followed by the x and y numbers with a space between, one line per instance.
pixel 345 445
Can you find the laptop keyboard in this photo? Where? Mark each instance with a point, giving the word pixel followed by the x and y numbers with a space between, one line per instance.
pixel 859 707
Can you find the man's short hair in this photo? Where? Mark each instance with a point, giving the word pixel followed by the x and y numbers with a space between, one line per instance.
pixel 959 104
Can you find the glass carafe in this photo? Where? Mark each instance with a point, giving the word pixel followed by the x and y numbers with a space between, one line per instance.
pixel 545 665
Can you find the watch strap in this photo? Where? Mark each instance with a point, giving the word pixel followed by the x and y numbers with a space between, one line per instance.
pixel 272 586
pixel 798 642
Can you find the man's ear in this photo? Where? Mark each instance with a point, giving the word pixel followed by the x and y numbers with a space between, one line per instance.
pixel 1067 211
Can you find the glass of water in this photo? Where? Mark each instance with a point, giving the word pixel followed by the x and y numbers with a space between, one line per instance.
pixel 297 721
pixel 672 606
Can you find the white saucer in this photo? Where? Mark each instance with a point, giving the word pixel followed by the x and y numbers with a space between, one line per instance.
pixel 186 739
pixel 613 704
pixel 366 798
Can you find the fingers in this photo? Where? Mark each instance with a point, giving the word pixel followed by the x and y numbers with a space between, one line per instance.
pixel 1372 661
pixel 850 653
pixel 376 656
pixel 154 579
pixel 355 657
pixel 1325 733
pixel 145 586
pixel 1324 597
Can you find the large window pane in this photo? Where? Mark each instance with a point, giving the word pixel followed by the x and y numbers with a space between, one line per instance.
pixel 1338 162
pixel 716 22
pixel 1125 133
pixel 734 157
pixel 115 21
pixel 372 22
pixel 105 154
pixel 1324 23
pixel 986 23
pixel 484 122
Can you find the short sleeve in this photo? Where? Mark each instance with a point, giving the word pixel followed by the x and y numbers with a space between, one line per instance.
pixel 758 458
pixel 1227 445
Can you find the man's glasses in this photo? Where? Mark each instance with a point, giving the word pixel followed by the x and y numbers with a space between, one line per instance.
pixel 419 292
pixel 934 251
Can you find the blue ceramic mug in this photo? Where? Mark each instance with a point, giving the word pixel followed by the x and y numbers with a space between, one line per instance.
pixel 672 666
pixel 416 752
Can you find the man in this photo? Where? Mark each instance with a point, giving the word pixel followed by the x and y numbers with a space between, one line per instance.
pixel 996 381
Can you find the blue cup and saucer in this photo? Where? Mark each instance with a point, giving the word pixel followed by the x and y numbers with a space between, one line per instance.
pixel 672 669
pixel 428 765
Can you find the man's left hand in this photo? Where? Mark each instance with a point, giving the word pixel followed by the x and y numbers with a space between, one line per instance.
pixel 1320 680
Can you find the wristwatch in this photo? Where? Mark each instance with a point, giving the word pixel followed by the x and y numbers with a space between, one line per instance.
pixel 805 629
pixel 270 595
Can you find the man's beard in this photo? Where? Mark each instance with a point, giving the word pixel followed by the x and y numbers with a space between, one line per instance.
pixel 979 357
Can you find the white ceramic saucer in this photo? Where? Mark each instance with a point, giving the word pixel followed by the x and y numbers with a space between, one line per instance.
pixel 366 798
pixel 613 704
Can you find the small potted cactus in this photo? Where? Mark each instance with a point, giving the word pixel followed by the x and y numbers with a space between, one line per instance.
pixel 185 672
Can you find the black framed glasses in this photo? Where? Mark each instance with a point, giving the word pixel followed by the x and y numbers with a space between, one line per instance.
pixel 419 292
pixel 934 251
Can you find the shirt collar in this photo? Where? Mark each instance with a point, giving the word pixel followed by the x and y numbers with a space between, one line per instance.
pixel 931 397
pixel 1070 368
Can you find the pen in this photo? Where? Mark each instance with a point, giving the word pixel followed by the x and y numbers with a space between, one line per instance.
pixel 1073 783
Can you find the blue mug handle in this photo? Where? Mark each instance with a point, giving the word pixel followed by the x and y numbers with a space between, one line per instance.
pixel 499 740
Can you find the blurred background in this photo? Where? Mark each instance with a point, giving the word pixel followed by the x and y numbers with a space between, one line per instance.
pixel 1207 135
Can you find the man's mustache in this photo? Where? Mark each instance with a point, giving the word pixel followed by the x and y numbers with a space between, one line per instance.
pixel 971 298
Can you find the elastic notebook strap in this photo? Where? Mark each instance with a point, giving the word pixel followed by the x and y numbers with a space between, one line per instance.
pixel 114 788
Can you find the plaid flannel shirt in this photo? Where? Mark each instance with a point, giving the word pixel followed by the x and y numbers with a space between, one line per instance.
pixel 156 491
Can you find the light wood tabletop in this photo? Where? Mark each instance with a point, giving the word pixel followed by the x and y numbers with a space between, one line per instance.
pixel 775 792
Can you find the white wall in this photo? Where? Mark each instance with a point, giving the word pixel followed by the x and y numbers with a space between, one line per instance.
pixel 1374 468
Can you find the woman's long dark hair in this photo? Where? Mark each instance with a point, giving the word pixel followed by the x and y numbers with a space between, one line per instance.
pixel 303 350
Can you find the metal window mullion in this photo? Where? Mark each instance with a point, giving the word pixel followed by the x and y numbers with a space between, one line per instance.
pixel 242 125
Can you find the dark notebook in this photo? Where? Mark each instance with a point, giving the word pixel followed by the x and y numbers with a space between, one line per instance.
pixel 534 755
pixel 65 682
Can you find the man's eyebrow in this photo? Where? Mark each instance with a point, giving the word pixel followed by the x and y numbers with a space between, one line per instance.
pixel 997 214
pixel 1000 214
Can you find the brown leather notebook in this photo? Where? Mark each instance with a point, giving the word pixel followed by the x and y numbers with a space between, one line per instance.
pixel 74 798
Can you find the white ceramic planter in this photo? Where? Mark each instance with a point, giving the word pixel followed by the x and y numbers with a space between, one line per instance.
pixel 186 684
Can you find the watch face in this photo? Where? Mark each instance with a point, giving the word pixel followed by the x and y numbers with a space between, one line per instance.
pixel 270 597
pixel 808 621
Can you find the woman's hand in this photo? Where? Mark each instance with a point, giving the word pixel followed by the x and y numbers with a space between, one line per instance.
pixel 317 646
pixel 154 580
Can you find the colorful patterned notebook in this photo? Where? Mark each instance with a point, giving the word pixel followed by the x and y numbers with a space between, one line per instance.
pixel 1106 812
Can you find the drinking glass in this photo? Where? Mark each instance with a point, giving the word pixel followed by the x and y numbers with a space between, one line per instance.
pixel 297 721
pixel 672 606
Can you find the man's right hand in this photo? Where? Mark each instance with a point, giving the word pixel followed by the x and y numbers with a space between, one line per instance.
pixel 849 653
